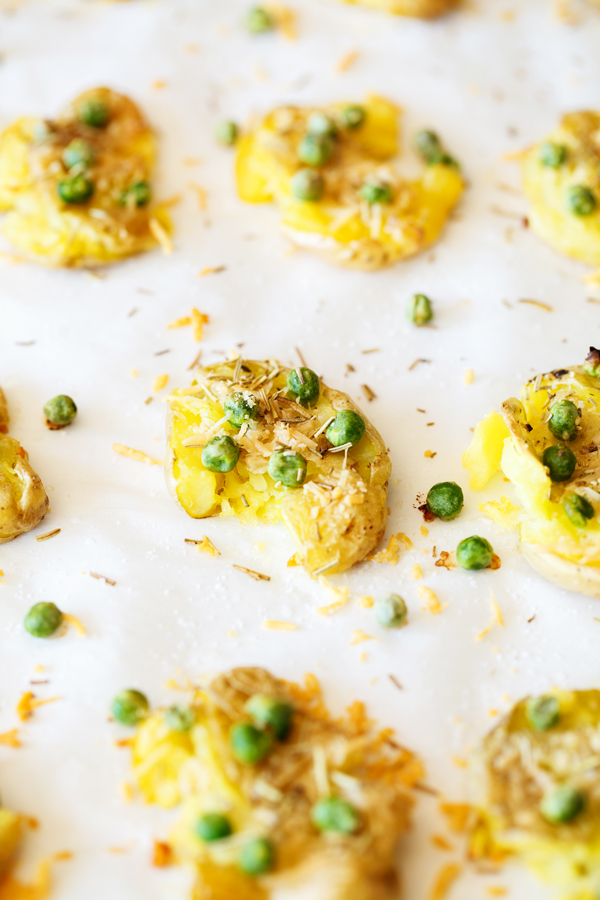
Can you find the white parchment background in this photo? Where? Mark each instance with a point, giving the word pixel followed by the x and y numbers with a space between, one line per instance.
pixel 490 86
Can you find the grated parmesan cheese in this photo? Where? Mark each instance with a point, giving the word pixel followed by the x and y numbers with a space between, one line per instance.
pixel 160 382
pixel 74 622
pixel 444 880
pixel 138 455
pixel 359 636
pixel 432 604
pixel 274 625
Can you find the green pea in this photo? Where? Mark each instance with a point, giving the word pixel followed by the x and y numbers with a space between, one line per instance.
pixel 552 155
pixel 78 153
pixel 249 744
pixel 288 467
pixel 315 149
pixel 391 611
pixel 335 814
pixel 562 804
pixel 305 385
pixel 428 145
pixel 257 857
pixel 580 200
pixel 180 718
pixel 321 123
pixel 220 454
pixel 307 185
pixel 75 190
pixel 445 500
pixel 374 192
pixel 130 707
pixel 271 712
pixel 94 113
pixel 43 620
pixel 419 310
pixel 353 116
pixel 563 420
pixel 578 510
pixel 542 713
pixel 227 133
pixel 430 148
pixel 240 407
pixel 258 20
pixel 560 462
pixel 348 427
pixel 474 553
pixel 137 194
pixel 592 363
pixel 212 827
pixel 61 410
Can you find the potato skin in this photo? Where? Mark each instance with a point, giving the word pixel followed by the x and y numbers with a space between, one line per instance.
pixel 335 526
pixel 350 534
pixel 100 230
pixel 4 417
pixel 23 500
pixel 566 574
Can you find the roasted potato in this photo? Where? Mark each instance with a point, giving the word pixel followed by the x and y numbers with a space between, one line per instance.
pixel 312 758
pixel 77 189
pixel 565 552
pixel 10 839
pixel 339 513
pixel 544 743
pixel 4 417
pixel 561 177
pixel 420 9
pixel 342 223
pixel 23 500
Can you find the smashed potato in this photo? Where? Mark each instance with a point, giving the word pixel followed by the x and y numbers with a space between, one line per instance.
pixel 10 839
pixel 562 180
pixel 23 500
pixel 421 9
pixel 330 171
pixel 4 417
pixel 558 519
pixel 77 189
pixel 538 791
pixel 326 802
pixel 336 505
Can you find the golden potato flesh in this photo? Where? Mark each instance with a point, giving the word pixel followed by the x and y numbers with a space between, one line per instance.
pixel 421 9
pixel 560 177
pixel 23 500
pixel 273 799
pixel 43 162
pixel 521 763
pixel 342 225
pixel 339 514
pixel 561 551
